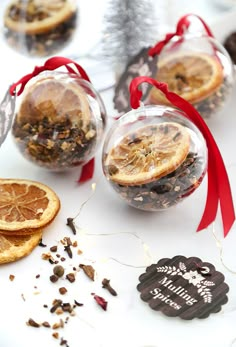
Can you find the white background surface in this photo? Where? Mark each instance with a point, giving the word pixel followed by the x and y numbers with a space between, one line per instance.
pixel 128 321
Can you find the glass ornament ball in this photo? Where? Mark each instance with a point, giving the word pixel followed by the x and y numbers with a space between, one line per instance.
pixel 154 157
pixel 59 122
pixel 39 28
pixel 199 69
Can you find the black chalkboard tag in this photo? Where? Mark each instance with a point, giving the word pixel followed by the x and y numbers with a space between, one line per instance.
pixel 141 64
pixel 183 287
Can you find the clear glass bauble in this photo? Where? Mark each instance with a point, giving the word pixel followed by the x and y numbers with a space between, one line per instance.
pixel 154 157
pixel 60 121
pixel 199 69
pixel 39 27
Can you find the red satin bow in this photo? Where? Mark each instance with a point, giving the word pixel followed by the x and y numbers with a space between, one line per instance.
pixel 53 64
pixel 182 25
pixel 219 190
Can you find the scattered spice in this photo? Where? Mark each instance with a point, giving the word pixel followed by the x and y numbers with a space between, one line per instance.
pixel 56 303
pixel 70 223
pixel 41 244
pixel 32 323
pixel 88 270
pixel 101 302
pixel 70 277
pixel 63 259
pixel 55 335
pixel 58 325
pixel 78 303
pixel 54 278
pixel 37 276
pixel 64 342
pixel 58 270
pixel 67 307
pixel 53 249
pixel 45 306
pixel 11 277
pixel 48 256
pixel 106 285
pixel 59 311
pixel 46 325
pixel 75 244
pixel 67 244
pixel 23 297
pixel 62 290
pixel 79 252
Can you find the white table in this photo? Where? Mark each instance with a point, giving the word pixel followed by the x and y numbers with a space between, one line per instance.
pixel 128 322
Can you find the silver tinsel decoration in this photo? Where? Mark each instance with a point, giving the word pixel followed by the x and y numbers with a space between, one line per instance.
pixel 130 25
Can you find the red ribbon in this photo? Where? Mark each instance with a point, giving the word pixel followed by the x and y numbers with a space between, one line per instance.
pixel 181 26
pixel 53 64
pixel 219 190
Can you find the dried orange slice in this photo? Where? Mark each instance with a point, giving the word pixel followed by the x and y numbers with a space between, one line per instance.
pixel 37 17
pixel 13 248
pixel 192 76
pixel 26 206
pixel 55 100
pixel 148 154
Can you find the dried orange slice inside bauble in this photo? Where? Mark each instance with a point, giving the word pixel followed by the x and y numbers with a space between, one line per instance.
pixel 26 206
pixel 13 248
pixel 192 76
pixel 54 99
pixel 148 154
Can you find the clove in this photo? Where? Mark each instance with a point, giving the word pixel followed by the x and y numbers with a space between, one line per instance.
pixel 70 223
pixel 106 285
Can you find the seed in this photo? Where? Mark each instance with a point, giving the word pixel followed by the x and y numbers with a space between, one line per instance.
pixel 53 249
pixel 32 323
pixel 46 325
pixel 62 290
pixel 58 270
pixel 53 278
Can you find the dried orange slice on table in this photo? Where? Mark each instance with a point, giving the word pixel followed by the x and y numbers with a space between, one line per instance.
pixel 13 248
pixel 192 76
pixel 148 154
pixel 26 206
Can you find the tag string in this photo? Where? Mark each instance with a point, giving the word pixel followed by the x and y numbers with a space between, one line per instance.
pixel 51 64
pixel 219 191
pixel 181 26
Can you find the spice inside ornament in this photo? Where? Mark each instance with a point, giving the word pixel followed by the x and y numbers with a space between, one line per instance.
pixel 39 27
pixel 197 68
pixel 60 121
pixel 154 157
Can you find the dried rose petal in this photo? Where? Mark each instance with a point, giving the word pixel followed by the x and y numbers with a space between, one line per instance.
pixel 101 302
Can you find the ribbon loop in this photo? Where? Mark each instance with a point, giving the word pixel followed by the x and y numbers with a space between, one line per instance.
pixel 181 27
pixel 219 190
pixel 51 64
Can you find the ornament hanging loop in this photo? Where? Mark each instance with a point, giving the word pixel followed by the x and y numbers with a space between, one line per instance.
pixel 181 27
pixel 50 65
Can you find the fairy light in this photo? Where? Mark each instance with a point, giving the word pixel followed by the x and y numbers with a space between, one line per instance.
pixel 93 187
pixel 83 232
pixel 220 247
